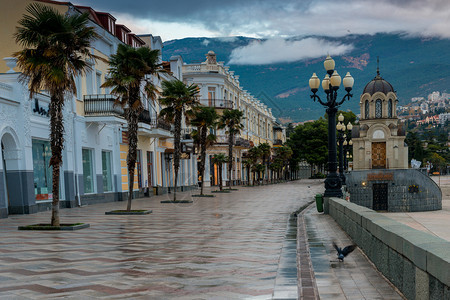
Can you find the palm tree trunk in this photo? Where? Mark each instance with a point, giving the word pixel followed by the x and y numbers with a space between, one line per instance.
pixel 248 175
pixel 203 131
pixel 230 157
pixel 57 145
pixel 177 153
pixel 132 118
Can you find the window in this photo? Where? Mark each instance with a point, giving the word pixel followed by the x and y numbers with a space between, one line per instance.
pixel 378 109
pixel 89 83
pixel 139 168
pixel 88 172
pixel 98 80
pixel 366 110
pixel 106 171
pixel 149 168
pixel 211 96
pixel 42 172
pixel 390 108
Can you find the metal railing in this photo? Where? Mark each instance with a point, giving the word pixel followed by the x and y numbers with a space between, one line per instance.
pixel 217 103
pixel 278 142
pixel 102 105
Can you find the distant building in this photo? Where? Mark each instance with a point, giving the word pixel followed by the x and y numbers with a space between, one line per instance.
pixel 379 139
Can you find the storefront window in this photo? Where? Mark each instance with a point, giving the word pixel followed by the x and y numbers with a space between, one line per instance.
pixel 88 172
pixel 106 171
pixel 42 172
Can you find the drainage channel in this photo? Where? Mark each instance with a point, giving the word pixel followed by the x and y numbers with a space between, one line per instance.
pixel 286 282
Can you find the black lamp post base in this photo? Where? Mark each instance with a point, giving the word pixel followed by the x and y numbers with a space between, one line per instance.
pixel 333 185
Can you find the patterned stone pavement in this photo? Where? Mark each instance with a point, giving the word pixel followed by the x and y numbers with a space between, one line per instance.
pixel 227 247
pixel 355 278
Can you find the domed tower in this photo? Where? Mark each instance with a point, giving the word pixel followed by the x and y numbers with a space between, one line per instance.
pixel 379 140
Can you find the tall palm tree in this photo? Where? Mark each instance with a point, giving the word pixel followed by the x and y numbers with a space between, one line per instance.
pixel 265 153
pixel 205 119
pixel 219 160
pixel 55 50
pixel 128 72
pixel 231 120
pixel 178 99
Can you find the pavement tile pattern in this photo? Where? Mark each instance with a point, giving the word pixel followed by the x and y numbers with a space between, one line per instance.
pixel 226 247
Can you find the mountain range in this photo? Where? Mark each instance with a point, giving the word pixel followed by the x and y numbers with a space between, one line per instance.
pixel 415 67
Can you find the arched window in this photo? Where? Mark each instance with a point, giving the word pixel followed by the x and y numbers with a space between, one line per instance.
pixel 390 113
pixel 366 109
pixel 378 109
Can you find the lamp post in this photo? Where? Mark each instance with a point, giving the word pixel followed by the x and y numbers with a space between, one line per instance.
pixel 348 143
pixel 341 138
pixel 330 86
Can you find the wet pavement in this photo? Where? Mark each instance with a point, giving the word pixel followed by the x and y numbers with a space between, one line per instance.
pixel 355 278
pixel 233 246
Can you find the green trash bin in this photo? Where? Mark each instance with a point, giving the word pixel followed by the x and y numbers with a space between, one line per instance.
pixel 319 202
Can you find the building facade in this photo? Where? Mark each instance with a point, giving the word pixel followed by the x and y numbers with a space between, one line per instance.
pixel 220 88
pixel 379 139
pixel 95 150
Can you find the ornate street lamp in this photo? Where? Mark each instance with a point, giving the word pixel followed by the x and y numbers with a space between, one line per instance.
pixel 341 137
pixel 348 145
pixel 330 86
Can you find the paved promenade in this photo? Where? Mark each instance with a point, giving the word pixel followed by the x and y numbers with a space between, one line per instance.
pixel 227 247
pixel 434 222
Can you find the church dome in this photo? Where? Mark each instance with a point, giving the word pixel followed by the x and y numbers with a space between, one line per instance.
pixel 378 84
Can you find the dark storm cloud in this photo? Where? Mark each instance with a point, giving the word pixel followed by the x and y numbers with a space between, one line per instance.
pixel 268 18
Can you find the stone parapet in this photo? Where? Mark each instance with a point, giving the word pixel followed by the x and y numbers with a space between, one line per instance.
pixel 417 263
pixel 407 189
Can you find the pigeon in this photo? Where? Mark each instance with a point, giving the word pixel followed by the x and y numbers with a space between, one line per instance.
pixel 341 253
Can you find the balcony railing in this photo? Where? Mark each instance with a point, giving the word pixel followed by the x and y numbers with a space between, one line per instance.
pixel 217 103
pixel 101 105
pixel 278 142
pixel 145 117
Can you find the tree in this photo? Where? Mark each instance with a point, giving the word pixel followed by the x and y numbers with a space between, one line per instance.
pixel 205 119
pixel 56 49
pixel 248 164
pixel 231 120
pixel 219 160
pixel 178 99
pixel 254 154
pixel 128 71
pixel 265 155
pixel 283 154
pixel 310 142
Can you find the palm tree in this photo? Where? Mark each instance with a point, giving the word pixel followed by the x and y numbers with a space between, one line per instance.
pixel 254 154
pixel 231 120
pixel 219 160
pixel 56 49
pixel 265 154
pixel 248 164
pixel 179 99
pixel 129 70
pixel 205 119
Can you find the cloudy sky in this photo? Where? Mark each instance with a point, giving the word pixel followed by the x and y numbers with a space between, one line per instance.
pixel 279 19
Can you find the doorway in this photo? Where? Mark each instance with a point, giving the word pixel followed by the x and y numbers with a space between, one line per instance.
pixel 380 196
pixel 4 177
pixel 379 155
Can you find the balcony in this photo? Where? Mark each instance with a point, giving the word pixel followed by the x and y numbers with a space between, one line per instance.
pixel 217 103
pixel 240 142
pixel 102 108
pixel 151 126
pixel 277 142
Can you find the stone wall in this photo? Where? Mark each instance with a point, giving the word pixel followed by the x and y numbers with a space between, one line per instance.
pixel 417 263
pixel 428 197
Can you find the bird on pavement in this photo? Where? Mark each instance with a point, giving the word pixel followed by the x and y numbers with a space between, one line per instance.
pixel 341 253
